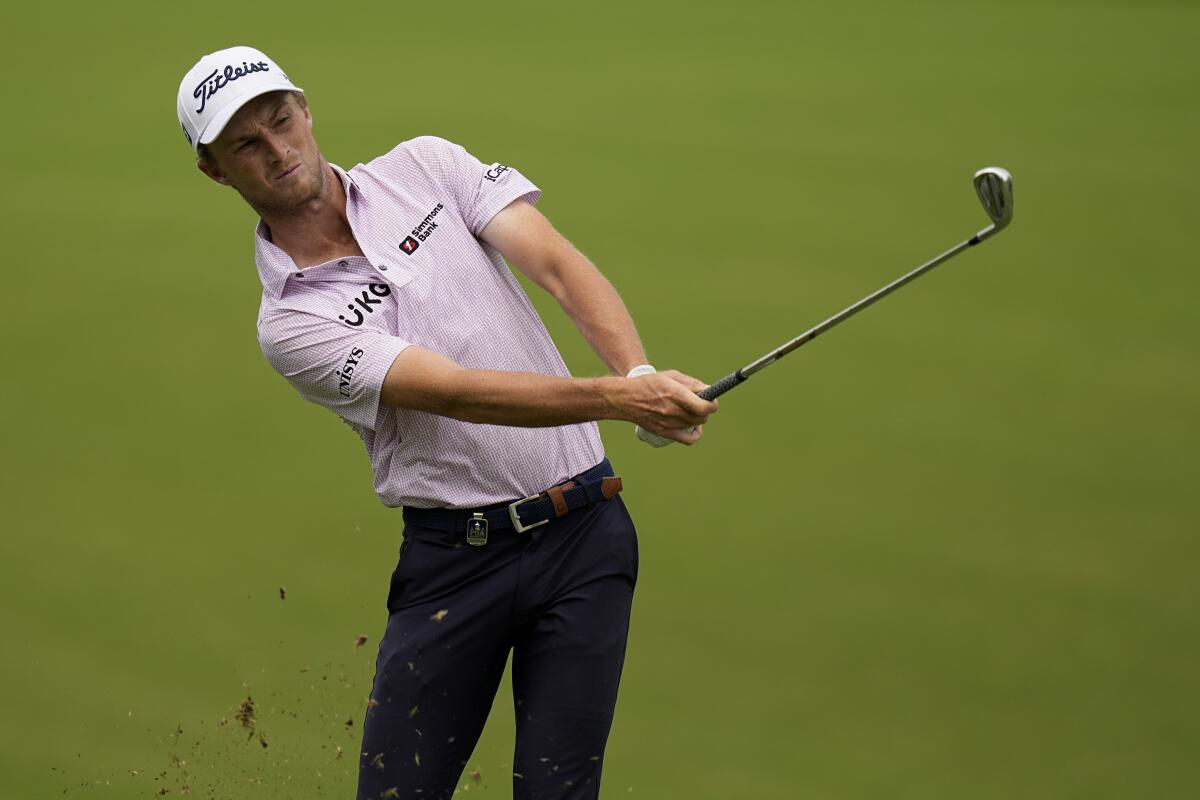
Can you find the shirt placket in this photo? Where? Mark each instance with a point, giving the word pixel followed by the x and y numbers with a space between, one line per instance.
pixel 383 267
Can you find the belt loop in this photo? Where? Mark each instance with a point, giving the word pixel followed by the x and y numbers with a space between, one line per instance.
pixel 555 493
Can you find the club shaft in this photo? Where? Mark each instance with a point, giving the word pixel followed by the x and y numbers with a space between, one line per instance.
pixel 733 379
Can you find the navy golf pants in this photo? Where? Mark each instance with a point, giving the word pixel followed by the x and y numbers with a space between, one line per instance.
pixel 559 600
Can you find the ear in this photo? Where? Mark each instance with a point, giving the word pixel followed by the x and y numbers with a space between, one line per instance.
pixel 212 171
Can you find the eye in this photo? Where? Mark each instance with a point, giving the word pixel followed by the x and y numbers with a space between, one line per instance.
pixel 281 122
pixel 244 146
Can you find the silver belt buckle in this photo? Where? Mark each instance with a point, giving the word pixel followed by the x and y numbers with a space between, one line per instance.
pixel 477 530
pixel 516 520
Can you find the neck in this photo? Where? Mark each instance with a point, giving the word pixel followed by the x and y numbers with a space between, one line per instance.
pixel 316 231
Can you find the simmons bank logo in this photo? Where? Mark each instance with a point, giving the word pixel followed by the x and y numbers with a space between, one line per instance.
pixel 423 231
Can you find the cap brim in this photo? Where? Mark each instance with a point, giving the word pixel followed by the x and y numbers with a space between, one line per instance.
pixel 222 117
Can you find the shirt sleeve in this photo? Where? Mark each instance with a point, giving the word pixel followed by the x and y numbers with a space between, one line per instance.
pixel 481 190
pixel 329 364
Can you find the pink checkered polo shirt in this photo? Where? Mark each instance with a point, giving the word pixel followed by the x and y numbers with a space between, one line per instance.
pixel 334 329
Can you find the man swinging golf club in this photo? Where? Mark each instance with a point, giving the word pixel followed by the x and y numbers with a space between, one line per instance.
pixel 386 299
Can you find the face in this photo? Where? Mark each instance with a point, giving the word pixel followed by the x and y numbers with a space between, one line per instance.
pixel 267 152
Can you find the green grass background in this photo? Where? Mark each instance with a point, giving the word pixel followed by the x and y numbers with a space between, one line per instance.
pixel 948 551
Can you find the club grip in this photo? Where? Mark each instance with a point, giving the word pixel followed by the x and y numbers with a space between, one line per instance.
pixel 722 386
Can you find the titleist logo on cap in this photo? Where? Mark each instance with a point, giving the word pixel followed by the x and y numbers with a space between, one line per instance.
pixel 216 80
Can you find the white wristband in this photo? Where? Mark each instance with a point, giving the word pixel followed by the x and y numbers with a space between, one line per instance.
pixel 640 369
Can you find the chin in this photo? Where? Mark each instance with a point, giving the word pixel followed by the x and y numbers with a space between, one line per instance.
pixel 310 186
pixel 290 197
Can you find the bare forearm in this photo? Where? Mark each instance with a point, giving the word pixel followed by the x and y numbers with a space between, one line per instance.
pixel 422 380
pixel 598 311
pixel 522 399
pixel 426 381
pixel 531 243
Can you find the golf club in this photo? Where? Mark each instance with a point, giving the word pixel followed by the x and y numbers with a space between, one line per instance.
pixel 995 189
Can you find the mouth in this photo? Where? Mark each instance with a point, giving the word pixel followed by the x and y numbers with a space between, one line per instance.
pixel 289 172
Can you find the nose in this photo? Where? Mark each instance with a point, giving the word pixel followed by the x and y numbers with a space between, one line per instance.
pixel 276 147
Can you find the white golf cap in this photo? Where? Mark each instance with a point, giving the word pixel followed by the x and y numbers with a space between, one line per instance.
pixel 220 84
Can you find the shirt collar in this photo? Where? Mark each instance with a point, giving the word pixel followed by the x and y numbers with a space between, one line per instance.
pixel 274 265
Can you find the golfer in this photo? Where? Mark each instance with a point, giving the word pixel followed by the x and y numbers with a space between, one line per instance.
pixel 386 299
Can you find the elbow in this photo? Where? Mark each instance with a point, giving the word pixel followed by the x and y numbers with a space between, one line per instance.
pixel 552 283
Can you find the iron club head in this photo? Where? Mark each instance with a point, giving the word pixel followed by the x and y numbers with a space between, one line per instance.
pixel 995 189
